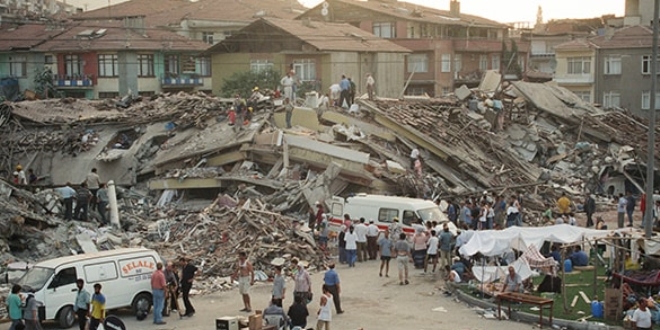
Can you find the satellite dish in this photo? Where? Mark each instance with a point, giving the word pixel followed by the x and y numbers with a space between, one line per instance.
pixel 324 11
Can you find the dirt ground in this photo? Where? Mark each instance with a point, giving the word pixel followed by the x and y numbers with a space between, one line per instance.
pixel 370 303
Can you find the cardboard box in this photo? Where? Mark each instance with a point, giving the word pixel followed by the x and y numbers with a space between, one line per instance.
pixel 256 322
pixel 226 323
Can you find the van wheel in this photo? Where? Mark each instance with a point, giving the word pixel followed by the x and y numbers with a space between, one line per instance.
pixel 66 318
pixel 141 302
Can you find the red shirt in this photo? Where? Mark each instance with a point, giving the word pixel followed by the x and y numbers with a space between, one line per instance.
pixel 158 280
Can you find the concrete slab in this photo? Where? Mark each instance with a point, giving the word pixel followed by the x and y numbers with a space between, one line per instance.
pixel 463 92
pixel 328 149
pixel 305 117
pixel 491 81
pixel 339 118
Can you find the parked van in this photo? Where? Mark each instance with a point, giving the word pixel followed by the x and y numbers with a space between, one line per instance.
pixel 125 275
pixel 382 209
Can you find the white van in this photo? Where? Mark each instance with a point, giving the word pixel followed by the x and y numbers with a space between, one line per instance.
pixel 125 275
pixel 382 209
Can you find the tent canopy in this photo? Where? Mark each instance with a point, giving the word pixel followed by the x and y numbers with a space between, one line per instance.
pixel 495 242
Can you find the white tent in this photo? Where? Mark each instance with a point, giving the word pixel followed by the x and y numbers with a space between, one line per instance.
pixel 487 274
pixel 495 242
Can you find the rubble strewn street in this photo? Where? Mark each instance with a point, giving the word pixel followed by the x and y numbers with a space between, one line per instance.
pixel 197 186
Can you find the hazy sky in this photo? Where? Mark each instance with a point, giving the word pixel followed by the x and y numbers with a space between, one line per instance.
pixel 505 11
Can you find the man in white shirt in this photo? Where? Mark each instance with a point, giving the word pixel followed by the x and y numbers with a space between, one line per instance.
pixel 432 251
pixel 351 246
pixel 370 86
pixel 372 239
pixel 642 316
pixel 361 233
pixel 93 184
pixel 414 154
pixel 287 86
pixel 621 210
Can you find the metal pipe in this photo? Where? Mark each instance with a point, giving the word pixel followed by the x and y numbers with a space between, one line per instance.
pixel 650 163
pixel 112 200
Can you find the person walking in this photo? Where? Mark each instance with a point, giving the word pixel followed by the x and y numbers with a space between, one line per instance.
pixel 298 313
pixel 432 252
pixel 302 281
pixel 172 279
pixel 589 209
pixel 188 273
pixel 14 302
pixel 31 312
pixel 279 286
pixel 68 195
pixel 93 182
pixel 331 281
pixel 361 230
pixel 98 308
pixel 402 250
pixel 341 244
pixel 370 86
pixel 444 241
pixel 325 313
pixel 621 211
pixel 642 316
pixel 385 251
pixel 245 274
pixel 83 196
pixel 81 304
pixel 102 201
pixel 372 239
pixel 158 288
pixel 351 246
pixel 344 96
pixel 630 207
pixel 288 112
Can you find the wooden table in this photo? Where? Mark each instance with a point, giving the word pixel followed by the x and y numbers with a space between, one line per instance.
pixel 525 299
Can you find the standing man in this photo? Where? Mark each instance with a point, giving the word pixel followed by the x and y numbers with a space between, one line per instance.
pixel 188 273
pixel 372 239
pixel 67 194
pixel 630 208
pixel 351 246
pixel 341 244
pixel 452 211
pixel 385 251
pixel 402 250
pixel 642 316
pixel 302 281
pixel 93 183
pixel 172 279
pixel 395 228
pixel 22 179
pixel 31 312
pixel 98 308
pixel 279 286
pixel 331 281
pixel 414 155
pixel 432 251
pixel 81 304
pixel 370 86
pixel 445 239
pixel 245 275
pixel 288 112
pixel 83 196
pixel 621 211
pixel 14 302
pixel 345 87
pixel 351 93
pixel 158 287
pixel 102 201
pixel 564 204
pixel 589 209
pixel 361 232
pixel 319 214
pixel 287 86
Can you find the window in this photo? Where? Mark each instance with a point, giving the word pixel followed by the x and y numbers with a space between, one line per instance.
pixel 418 63
pixel 583 95
pixel 305 69
pixel 203 66
pixel 611 100
pixel 145 65
pixel 646 100
pixel 100 272
pixel 411 32
pixel 612 65
pixel 446 63
pixel 495 62
pixel 18 66
pixel 483 62
pixel 408 217
pixel 384 30
pixel 337 208
pixel 458 62
pixel 72 65
pixel 188 64
pixel 172 64
pixel 579 65
pixel 257 66
pixel 386 215
pixel 108 66
pixel 66 276
pixel 108 95
pixel 207 37
pixel 646 64
pixel 48 59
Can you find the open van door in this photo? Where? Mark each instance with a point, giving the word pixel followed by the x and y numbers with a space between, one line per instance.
pixel 336 211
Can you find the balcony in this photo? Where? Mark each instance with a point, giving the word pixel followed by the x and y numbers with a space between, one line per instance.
pixel 74 81
pixel 173 80
pixel 574 79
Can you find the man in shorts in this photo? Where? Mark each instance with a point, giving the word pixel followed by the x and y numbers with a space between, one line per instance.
pixel 385 252
pixel 402 251
pixel 245 274
pixel 432 251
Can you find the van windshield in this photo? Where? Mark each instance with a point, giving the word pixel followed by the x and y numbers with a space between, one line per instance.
pixel 431 214
pixel 35 278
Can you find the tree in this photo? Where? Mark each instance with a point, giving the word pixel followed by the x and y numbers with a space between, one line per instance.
pixel 243 82
pixel 44 83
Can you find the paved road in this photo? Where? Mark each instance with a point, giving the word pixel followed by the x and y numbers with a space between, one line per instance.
pixel 370 302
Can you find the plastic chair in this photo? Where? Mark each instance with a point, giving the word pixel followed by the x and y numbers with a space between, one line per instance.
pixel 275 319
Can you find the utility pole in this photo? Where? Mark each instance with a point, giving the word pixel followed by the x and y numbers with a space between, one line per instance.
pixel 650 163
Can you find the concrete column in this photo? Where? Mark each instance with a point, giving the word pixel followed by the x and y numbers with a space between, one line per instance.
pixel 114 210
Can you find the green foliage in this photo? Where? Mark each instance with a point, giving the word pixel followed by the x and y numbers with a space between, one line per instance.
pixel 44 83
pixel 510 59
pixel 244 82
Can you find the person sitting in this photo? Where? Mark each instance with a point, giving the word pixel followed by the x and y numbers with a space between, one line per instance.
pixel 512 282
pixel 298 313
pixel 556 254
pixel 275 312
pixel 579 258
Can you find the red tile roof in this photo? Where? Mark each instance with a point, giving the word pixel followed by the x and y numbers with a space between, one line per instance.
pixel 637 36
pixel 105 36
pixel 26 37
pixel 576 44
pixel 322 36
